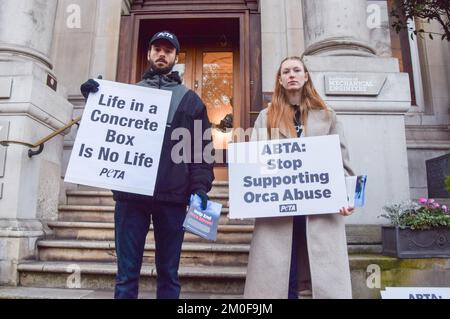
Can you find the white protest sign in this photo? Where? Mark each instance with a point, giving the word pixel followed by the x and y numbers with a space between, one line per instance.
pixel 350 182
pixel 118 144
pixel 415 293
pixel 286 177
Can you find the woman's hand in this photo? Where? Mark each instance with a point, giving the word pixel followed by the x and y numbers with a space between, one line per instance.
pixel 346 211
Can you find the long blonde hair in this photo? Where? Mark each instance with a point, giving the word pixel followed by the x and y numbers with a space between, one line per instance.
pixel 280 112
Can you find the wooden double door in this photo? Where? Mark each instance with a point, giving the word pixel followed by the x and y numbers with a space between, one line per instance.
pixel 219 59
pixel 211 72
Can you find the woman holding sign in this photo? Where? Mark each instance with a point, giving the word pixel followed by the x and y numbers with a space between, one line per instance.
pixel 289 254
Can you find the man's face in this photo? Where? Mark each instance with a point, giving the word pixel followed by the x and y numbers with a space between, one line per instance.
pixel 162 56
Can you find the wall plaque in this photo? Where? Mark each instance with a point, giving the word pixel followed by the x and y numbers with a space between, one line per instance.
pixel 354 84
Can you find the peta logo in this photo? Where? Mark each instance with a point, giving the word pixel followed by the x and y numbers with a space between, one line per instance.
pixel 165 34
pixel 287 208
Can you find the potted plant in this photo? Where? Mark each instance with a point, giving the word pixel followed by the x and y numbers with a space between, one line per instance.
pixel 417 230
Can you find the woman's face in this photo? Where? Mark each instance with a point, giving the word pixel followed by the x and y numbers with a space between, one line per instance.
pixel 293 75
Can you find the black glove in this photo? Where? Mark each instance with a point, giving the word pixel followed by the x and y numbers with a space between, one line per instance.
pixel 89 86
pixel 203 197
pixel 226 123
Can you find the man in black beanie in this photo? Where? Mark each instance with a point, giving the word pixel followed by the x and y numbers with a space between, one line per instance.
pixel 176 180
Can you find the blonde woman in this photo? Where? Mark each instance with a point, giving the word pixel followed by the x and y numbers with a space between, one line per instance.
pixel 289 254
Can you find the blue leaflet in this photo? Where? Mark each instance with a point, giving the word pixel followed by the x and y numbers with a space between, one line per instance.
pixel 202 222
pixel 360 191
pixel 356 190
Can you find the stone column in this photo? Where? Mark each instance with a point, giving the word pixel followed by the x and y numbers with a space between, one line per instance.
pixel 368 93
pixel 336 27
pixel 26 28
pixel 32 106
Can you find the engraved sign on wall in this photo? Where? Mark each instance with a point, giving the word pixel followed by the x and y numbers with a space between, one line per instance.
pixel 354 84
pixel 4 129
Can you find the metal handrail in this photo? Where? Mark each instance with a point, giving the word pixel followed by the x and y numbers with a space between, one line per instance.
pixel 41 142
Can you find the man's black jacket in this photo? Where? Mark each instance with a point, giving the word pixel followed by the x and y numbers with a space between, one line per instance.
pixel 177 179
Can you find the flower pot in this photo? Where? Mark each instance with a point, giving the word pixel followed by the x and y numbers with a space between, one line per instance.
pixel 408 243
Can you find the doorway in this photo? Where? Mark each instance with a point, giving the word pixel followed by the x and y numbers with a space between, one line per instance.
pixel 219 45
pixel 210 73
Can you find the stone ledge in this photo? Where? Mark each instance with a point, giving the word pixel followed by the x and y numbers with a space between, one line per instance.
pixel 102 209
pixel 79 244
pixel 21 228
pixel 102 193
pixel 393 273
pixel 106 225
pixel 67 293
pixel 147 269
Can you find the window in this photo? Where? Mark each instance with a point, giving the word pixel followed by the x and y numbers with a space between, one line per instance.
pixel 404 48
pixel 388 42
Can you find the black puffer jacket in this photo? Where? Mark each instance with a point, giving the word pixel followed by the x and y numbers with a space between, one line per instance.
pixel 176 181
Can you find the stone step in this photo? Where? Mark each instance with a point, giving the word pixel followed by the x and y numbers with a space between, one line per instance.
pixel 426 272
pixel 395 272
pixel 193 254
pixel 220 187
pixel 105 198
pixel 86 213
pixel 90 197
pixel 74 293
pixel 215 185
pixel 95 213
pixel 363 234
pixel 88 275
pixel 364 249
pixel 226 234
pixel 356 234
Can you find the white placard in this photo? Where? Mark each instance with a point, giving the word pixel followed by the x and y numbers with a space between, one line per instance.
pixel 415 293
pixel 118 144
pixel 286 177
pixel 4 132
pixel 350 182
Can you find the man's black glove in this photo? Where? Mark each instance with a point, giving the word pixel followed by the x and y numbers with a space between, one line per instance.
pixel 226 123
pixel 89 86
pixel 203 197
